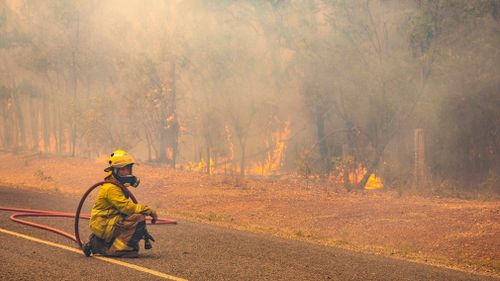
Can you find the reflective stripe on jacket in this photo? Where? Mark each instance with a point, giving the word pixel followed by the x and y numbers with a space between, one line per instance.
pixel 109 207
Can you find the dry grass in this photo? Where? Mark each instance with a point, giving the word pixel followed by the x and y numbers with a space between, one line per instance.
pixel 448 232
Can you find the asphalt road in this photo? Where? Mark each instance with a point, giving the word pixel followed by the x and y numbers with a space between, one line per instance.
pixel 191 251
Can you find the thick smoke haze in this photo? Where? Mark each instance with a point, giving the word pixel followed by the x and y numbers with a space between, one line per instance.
pixel 388 93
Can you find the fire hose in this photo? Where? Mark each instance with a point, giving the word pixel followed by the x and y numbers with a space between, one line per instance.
pixel 76 215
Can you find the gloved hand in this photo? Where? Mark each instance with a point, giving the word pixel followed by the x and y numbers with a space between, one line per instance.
pixel 148 211
pixel 154 216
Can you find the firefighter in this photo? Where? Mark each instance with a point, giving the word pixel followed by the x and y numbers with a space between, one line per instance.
pixel 117 223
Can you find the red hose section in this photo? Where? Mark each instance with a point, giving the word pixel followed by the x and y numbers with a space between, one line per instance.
pixel 77 216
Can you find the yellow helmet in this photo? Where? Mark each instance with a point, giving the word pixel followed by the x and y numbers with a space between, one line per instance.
pixel 119 159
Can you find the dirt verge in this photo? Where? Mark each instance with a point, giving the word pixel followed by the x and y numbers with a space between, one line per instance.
pixel 446 232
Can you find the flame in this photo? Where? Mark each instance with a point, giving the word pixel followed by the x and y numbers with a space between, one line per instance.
pixel 356 176
pixel 196 167
pixel 200 167
pixel 374 182
pixel 225 165
pixel 274 158
pixel 229 141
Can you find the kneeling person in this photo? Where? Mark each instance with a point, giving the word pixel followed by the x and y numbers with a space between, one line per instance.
pixel 117 223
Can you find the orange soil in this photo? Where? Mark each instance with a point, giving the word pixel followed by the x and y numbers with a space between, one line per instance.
pixel 448 232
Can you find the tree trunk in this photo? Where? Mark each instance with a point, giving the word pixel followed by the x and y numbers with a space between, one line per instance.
pixel 19 135
pixel 208 159
pixel 7 123
pixel 163 126
pixel 323 148
pixel 21 132
pixel 148 141
pixel 8 112
pixel 162 142
pixel 73 137
pixel 175 144
pixel 346 160
pixel 75 103
pixel 45 123
pixel 242 159
pixel 174 127
pixel 59 129
pixel 34 113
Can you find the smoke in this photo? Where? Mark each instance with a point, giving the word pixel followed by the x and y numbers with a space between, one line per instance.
pixel 192 82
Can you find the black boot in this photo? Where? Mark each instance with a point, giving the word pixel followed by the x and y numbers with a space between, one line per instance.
pixel 147 242
pixel 95 245
pixel 87 249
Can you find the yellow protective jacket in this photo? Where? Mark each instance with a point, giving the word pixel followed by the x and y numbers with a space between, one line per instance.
pixel 110 206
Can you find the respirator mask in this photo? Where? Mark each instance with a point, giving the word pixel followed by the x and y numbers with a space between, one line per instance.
pixel 129 180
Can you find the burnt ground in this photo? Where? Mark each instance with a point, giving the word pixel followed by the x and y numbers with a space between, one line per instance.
pixel 194 251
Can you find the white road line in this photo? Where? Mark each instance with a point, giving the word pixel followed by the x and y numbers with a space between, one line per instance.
pixel 110 260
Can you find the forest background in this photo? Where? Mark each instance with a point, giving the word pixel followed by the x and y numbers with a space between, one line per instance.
pixel 400 94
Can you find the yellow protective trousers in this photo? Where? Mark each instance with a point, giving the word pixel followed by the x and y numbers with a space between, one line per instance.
pixel 127 234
